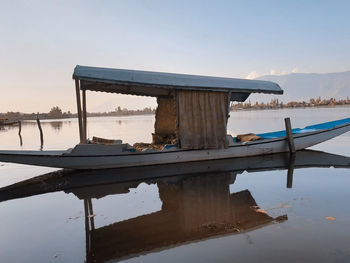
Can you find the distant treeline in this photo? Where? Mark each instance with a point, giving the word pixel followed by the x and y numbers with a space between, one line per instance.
pixel 57 113
pixel 276 104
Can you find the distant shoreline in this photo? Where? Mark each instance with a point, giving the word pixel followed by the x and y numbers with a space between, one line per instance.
pixel 276 104
pixel 57 114
pixel 74 116
pixel 302 107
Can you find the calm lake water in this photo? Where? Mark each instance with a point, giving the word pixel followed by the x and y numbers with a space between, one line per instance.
pixel 232 215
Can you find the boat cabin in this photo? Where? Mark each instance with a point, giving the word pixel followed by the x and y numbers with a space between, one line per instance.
pixel 192 110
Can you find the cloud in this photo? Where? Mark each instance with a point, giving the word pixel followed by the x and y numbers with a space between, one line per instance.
pixel 285 72
pixel 295 70
pixel 273 72
pixel 252 75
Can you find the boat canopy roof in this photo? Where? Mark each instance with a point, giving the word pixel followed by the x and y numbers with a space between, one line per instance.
pixel 159 84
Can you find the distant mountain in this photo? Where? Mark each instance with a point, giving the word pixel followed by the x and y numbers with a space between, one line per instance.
pixel 303 86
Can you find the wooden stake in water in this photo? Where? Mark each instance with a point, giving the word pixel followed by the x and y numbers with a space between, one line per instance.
pixel 41 133
pixel 289 135
pixel 290 170
pixel 19 128
pixel 19 132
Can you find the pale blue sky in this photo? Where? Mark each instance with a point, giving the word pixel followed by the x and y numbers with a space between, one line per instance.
pixel 42 41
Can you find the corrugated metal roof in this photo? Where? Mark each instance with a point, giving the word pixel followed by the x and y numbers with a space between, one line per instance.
pixel 159 84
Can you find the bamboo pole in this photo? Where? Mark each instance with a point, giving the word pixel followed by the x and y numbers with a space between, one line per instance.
pixel 19 132
pixel 41 133
pixel 19 127
pixel 81 131
pixel 84 116
pixel 289 135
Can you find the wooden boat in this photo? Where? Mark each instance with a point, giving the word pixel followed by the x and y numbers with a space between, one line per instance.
pixel 191 121
pixel 94 156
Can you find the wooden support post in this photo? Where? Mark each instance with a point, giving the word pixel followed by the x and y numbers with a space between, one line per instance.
pixel 80 121
pixel 289 135
pixel 41 133
pixel 84 116
pixel 290 170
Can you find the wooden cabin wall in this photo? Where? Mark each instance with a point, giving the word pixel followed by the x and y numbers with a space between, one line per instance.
pixel 202 119
pixel 165 124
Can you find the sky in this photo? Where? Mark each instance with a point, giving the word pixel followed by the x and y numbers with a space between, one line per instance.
pixel 42 42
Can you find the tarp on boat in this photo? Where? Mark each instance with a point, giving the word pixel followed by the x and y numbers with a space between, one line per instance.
pixel 202 119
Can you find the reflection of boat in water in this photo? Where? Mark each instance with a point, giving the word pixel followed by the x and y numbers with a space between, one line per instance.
pixel 5 122
pixel 193 209
pixel 191 123
pixel 196 201
pixel 70 179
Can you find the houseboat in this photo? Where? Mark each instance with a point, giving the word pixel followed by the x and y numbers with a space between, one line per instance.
pixel 190 122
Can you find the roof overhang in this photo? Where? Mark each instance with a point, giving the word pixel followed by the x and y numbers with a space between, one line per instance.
pixel 158 84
